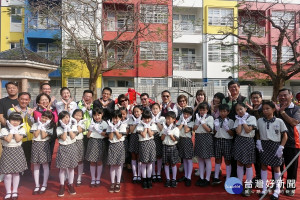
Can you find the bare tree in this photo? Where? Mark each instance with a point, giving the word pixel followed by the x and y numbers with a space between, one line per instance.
pixel 85 24
pixel 255 44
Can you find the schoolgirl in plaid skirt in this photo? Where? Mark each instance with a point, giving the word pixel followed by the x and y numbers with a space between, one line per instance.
pixel 244 147
pixel 96 145
pixel 270 144
pixel 13 160
pixel 124 120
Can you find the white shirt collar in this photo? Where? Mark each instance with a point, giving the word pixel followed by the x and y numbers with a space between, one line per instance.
pixel 292 105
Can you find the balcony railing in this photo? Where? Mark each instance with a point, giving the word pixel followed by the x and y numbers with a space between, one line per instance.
pixel 187 63
pixel 42 23
pixel 250 61
pixel 187 27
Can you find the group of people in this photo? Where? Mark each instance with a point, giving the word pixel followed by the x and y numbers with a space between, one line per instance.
pixel 148 138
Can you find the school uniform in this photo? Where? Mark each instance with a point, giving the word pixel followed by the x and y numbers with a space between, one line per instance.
pixel 40 152
pixel 244 146
pixel 126 138
pixel 60 106
pixel 170 151
pixel 116 149
pixel 79 141
pixel 66 150
pixel 270 132
pixel 147 148
pixel 13 158
pixel 204 145
pixel 185 144
pixel 223 142
pixel 134 138
pixel 157 137
pixel 96 145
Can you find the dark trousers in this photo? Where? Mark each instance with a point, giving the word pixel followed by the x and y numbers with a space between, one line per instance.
pixel 86 164
pixel 288 155
pixel 257 165
pixel 27 151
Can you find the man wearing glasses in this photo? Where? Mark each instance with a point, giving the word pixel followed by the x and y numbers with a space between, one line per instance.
pixel 167 104
pixel 145 101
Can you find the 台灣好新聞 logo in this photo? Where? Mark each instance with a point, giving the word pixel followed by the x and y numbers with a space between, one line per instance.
pixel 233 186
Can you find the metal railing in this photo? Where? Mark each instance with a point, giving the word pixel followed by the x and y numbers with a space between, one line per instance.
pixel 187 63
pixel 187 28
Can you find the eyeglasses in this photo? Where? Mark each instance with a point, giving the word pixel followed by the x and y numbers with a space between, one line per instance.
pixel 123 100
pixel 166 96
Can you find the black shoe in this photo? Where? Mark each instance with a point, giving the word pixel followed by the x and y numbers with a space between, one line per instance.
pixel 204 183
pixel 144 184
pixel 289 193
pixel 173 183
pixel 134 180
pixel 149 183
pixel 216 181
pixel 188 182
pixel 181 179
pixel 199 182
pixel 273 197
pixel 154 178
pixel 139 179
pixel 158 178
pixel 247 192
pixel 262 193
pixel 168 183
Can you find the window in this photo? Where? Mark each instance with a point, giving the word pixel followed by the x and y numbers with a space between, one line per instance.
pixel 159 82
pixel 220 53
pixel 287 53
pixel 42 47
pixel 154 13
pixel 110 83
pixel 119 55
pixel 72 52
pixel 154 51
pixel 124 83
pixel 78 82
pixel 220 17
pixel 250 26
pixel 14 45
pixel 248 57
pixel 120 20
pixel 185 23
pixel 16 15
pixel 284 19
pixel 49 51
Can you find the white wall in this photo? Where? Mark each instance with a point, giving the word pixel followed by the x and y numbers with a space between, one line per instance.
pixel 187 3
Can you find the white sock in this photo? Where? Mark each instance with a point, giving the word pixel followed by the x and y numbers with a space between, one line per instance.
pixel 185 166
pixel 119 173
pixel 167 172
pixel 46 174
pixel 80 171
pixel 217 170
pixel 133 166
pixel 277 181
pixel 149 170
pixel 208 168
pixel 36 174
pixel 228 171
pixel 201 167
pixel 174 172
pixel 159 165
pixel 71 175
pixel 190 168
pixel 249 174
pixel 144 170
pixel 112 172
pixel 240 172
pixel 264 176
pixel 139 168
pixel 99 172
pixel 7 182
pixel 93 172
pixel 16 181
pixel 153 168
pixel 61 176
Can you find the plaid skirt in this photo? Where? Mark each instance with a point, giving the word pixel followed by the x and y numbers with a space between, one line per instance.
pixel 170 154
pixel 116 154
pixel 204 145
pixel 12 160
pixel 40 152
pixel 80 150
pixel 158 145
pixel 147 152
pixel 268 157
pixel 244 150
pixel 223 147
pixel 65 156
pixel 134 143
pixel 126 146
pixel 186 149
pixel 95 150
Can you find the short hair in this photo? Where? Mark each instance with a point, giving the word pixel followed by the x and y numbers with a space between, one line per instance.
pixel 122 96
pixel 122 109
pixel 76 111
pixel 107 88
pixel 88 91
pixel 116 113
pixel 200 92
pixel 147 114
pixel 38 98
pixel 64 88
pixel 61 115
pixel 220 96
pixel 285 89
pixel 268 102
pixel 203 105
pixel 97 110
pixel 256 92
pixel 48 114
pixel 41 87
pixel 232 82
pixel 15 116
pixel 224 107
pixel 165 91
pixel 155 104
pixel 239 104
pixel 144 94
pixel 188 110
pixel 24 93
pixel 170 114
pixel 182 96
pixel 11 83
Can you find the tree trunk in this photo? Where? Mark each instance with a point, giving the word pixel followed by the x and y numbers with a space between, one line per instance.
pixel 278 84
pixel 93 87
